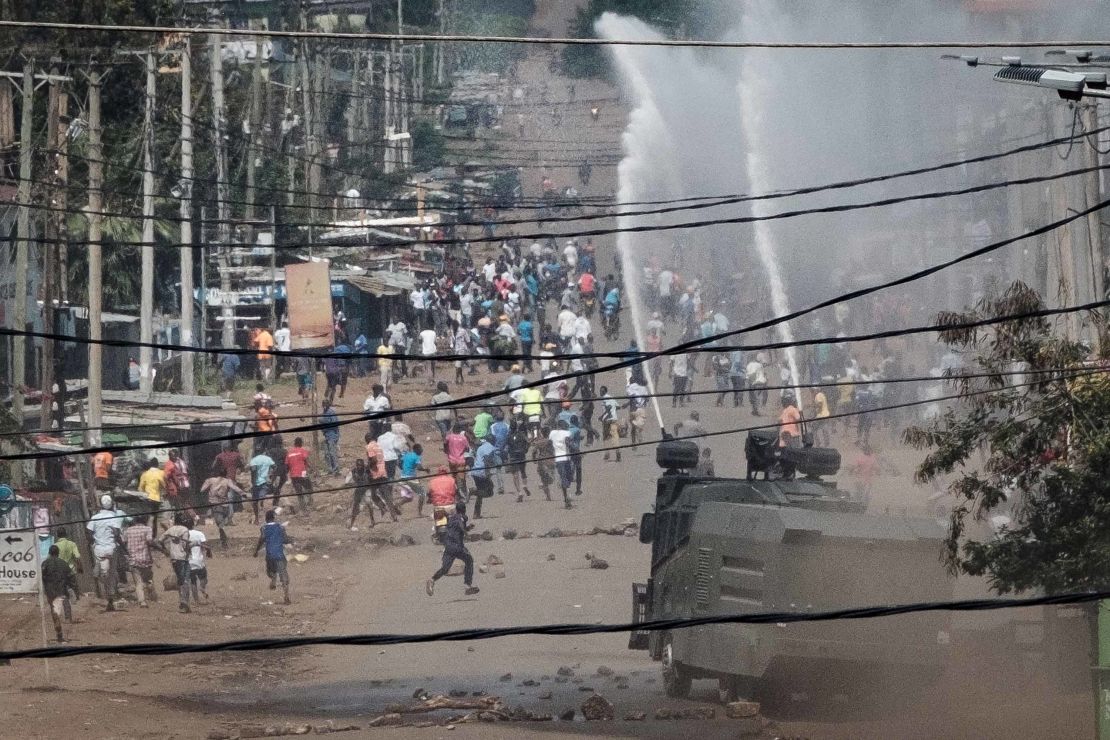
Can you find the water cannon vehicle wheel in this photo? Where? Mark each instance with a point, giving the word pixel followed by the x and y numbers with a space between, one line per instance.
pixel 735 688
pixel 676 677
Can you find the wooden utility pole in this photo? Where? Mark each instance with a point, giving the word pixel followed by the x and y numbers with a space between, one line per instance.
pixel 23 237
pixel 56 141
pixel 96 280
pixel 312 174
pixel 146 297
pixel 253 150
pixel 188 379
pixel 223 215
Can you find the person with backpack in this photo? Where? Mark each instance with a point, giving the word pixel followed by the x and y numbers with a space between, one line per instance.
pixel 454 540
pixel 175 543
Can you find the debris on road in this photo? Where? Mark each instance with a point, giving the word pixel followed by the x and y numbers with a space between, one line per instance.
pixel 597 708
pixel 597 563
pixel 741 709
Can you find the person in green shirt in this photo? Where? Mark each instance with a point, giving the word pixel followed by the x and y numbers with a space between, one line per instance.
pixel 71 556
pixel 482 421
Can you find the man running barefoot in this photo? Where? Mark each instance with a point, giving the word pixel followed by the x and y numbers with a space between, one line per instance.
pixel 454 537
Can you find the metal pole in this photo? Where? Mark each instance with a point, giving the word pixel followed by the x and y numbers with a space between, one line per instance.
pixel 223 217
pixel 188 379
pixel 23 235
pixel 204 290
pixel 1094 195
pixel 146 313
pixel 273 272
pixel 96 278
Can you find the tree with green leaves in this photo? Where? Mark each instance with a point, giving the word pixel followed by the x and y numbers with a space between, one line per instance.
pixel 1026 462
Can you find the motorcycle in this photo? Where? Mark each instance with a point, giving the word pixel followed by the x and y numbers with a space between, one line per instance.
pixel 611 320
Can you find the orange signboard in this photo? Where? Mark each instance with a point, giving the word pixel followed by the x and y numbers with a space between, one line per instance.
pixel 308 293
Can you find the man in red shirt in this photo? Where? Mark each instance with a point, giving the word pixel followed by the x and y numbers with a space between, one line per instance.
pixel 229 462
pixel 296 462
pixel 457 447
pixel 169 469
pixel 586 283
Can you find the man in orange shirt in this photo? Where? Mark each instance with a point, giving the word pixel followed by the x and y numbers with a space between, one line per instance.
pixel 443 494
pixel 264 342
pixel 265 423
pixel 790 433
pixel 381 493
pixel 102 470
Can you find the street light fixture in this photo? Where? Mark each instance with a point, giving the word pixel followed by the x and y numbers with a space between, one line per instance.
pixel 1069 85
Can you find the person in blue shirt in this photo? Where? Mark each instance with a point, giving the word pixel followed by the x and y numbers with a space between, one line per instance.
pixel 574 447
pixel 362 348
pixel 331 438
pixel 499 430
pixel 613 298
pixel 526 331
pixel 273 537
pixel 412 462
pixel 229 369
pixel 486 460
pixel 261 466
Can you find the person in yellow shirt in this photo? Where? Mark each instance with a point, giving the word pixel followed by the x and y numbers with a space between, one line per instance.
pixel 821 411
pixel 385 366
pixel 531 400
pixel 152 483
pixel 264 342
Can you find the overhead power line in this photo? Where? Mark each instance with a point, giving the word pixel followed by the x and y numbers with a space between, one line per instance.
pixel 560 41
pixel 732 197
pixel 639 356
pixel 546 402
pixel 769 323
pixel 991 321
pixel 620 447
pixel 554 630
pixel 639 229
pixel 790 316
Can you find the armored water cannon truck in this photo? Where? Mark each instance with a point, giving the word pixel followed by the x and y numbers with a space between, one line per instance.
pixel 789 542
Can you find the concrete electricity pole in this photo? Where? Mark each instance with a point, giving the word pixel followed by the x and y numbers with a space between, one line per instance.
pixel 23 236
pixel 146 298
pixel 440 57
pixel 223 215
pixel 96 281
pixel 1094 195
pixel 57 142
pixel 188 380
pixel 253 150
